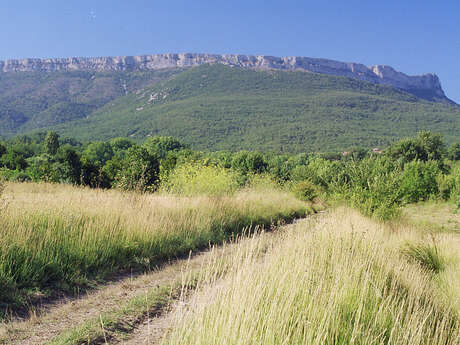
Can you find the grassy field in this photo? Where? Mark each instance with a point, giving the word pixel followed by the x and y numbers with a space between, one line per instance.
pixel 337 279
pixel 434 216
pixel 63 238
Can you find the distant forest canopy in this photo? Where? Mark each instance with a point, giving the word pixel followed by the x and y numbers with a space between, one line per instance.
pixel 217 107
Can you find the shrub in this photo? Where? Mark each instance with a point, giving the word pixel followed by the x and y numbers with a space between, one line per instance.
pixel 139 170
pixel 371 185
pixel 426 146
pixel 446 184
pixel 305 190
pixel 21 177
pixel 198 179
pixel 419 181
pixel 454 151
pixel 261 182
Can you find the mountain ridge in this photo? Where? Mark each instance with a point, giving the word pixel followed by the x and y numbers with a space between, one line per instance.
pixel 427 86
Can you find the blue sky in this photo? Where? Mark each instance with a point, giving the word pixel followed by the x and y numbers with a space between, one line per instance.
pixel 414 37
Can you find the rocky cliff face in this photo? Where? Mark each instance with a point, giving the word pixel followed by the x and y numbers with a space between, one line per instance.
pixel 427 84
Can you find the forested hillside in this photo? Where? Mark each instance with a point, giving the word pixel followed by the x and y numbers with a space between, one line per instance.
pixel 215 107
pixel 30 100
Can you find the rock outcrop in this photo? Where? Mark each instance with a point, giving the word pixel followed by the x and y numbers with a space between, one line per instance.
pixel 427 84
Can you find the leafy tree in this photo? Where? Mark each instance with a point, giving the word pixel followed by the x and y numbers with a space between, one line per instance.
pixel 89 173
pixel 2 149
pixel 426 146
pixel 40 167
pixel 112 167
pixel 249 162
pixel 160 146
pixel 121 144
pixel 71 164
pixel 433 145
pixel 51 142
pixel 98 153
pixel 139 171
pixel 14 160
pixel 418 181
pixel 454 151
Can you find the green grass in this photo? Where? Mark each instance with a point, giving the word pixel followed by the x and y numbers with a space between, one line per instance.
pixel 427 256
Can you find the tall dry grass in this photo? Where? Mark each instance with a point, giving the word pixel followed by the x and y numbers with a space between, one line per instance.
pixel 63 237
pixel 340 279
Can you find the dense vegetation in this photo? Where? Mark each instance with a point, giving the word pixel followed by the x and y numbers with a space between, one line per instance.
pixel 225 108
pixel 31 100
pixel 377 183
pixel 221 108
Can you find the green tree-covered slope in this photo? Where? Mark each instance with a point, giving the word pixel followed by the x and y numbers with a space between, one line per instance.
pixel 30 100
pixel 216 107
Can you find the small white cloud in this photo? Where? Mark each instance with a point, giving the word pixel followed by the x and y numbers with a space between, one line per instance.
pixel 92 15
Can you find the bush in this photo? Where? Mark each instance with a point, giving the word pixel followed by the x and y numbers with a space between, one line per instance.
pixel 262 182
pixel 196 179
pixel 305 190
pixel 371 185
pixel 21 177
pixel 446 185
pixel 419 181
pixel 139 171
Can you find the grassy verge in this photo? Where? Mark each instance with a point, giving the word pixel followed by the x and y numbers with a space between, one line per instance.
pixel 57 237
pixel 214 265
pixel 344 280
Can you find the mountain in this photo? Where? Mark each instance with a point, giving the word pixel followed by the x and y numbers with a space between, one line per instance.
pixel 425 86
pixel 223 101
pixel 215 107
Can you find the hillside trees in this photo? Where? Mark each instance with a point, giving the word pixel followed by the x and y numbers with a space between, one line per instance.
pixel 426 146
pixel 454 151
pixel 161 146
pixel 51 142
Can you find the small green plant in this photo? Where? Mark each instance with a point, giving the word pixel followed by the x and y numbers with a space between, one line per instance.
pixel 426 255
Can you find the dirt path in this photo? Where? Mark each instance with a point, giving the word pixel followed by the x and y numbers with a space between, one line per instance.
pixel 69 313
pixel 152 330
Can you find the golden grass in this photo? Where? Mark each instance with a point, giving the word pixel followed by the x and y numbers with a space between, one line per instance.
pixel 340 279
pixel 58 236
pixel 433 215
